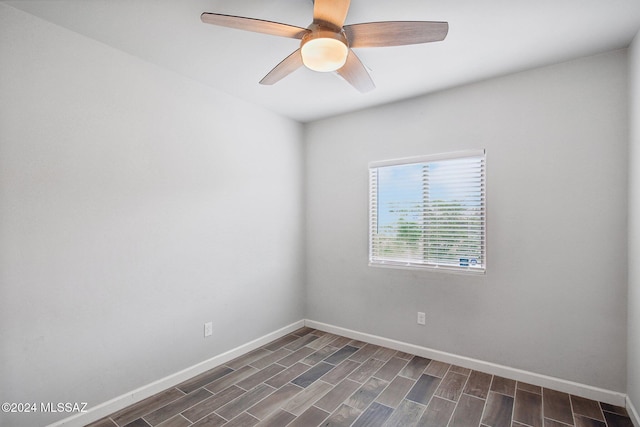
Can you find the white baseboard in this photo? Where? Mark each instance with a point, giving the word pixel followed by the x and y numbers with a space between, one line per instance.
pixel 633 413
pixel 577 389
pixel 104 409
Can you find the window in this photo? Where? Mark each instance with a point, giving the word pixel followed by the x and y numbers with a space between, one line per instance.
pixel 429 212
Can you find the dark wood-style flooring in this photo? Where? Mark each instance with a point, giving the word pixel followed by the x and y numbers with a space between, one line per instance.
pixel 311 378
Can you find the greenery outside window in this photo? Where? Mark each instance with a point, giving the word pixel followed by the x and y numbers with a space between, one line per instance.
pixel 429 212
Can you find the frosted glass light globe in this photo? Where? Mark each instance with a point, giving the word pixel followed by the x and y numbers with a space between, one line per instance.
pixel 324 54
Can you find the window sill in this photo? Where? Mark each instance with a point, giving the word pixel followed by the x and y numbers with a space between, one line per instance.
pixel 433 268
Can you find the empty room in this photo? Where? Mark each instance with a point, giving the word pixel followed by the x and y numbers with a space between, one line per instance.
pixel 319 213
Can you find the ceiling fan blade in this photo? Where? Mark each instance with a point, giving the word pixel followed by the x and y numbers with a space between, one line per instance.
pixel 356 74
pixel 283 69
pixel 395 33
pixel 333 12
pixel 255 25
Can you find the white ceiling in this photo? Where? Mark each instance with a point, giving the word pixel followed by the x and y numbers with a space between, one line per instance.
pixel 486 38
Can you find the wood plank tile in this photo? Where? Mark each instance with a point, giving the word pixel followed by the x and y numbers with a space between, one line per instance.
pixel 274 401
pixel 451 386
pixel 366 370
pixel 234 377
pixel 303 331
pixel 557 406
pixel 309 377
pixel 554 423
pixel 529 387
pixel 460 370
pixel 287 375
pixel 212 420
pixel 148 405
pixel 177 421
pixel 384 354
pixel 296 356
pixel 138 423
pixel 259 377
pixel 365 353
pixel 267 360
pixel 322 341
pixel 311 417
pixel 366 394
pixel 588 408
pixel 424 389
pixel 395 391
pixel 415 367
pixel 437 369
pixel 498 410
pixel 280 342
pixel 301 342
pixel 582 421
pixel 340 372
pixel 615 409
pixel 209 405
pixel 357 343
pixel 341 355
pixel 104 422
pixel 407 414
pixel 402 355
pixel 204 379
pixel 246 359
pixel 244 402
pixel 340 342
pixel 468 412
pixel 617 420
pixel 243 420
pixel 303 400
pixel 319 355
pixel 344 416
pixel 277 419
pixel 177 406
pixel 374 416
pixel 438 413
pixel 390 369
pixel 339 394
pixel 503 385
pixel 528 408
pixel 478 384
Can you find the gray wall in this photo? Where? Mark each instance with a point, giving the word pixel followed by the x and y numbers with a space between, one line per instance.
pixel 135 205
pixel 553 300
pixel 633 358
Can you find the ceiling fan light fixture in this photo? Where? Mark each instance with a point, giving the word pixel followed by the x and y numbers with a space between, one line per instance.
pixel 324 53
pixel 325 45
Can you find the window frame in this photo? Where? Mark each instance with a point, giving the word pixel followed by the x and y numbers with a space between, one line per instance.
pixel 412 265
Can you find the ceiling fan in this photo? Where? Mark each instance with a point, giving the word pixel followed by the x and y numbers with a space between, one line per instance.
pixel 326 44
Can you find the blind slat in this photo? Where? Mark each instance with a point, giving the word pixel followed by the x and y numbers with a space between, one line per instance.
pixel 429 213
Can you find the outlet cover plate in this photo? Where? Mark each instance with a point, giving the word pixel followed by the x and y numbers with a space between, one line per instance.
pixel 422 318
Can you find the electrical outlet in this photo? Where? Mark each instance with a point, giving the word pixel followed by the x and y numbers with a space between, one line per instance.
pixel 208 329
pixel 422 318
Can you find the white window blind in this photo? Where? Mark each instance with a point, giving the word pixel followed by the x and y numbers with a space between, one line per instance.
pixel 429 212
